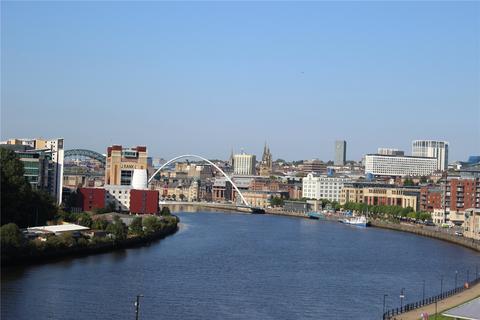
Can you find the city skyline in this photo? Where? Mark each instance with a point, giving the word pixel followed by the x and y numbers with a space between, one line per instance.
pixel 195 78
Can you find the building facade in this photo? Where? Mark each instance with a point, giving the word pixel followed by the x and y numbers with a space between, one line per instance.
pixel 244 164
pixel 91 198
pixel 121 162
pixel 380 194
pixel 340 152
pixel 323 187
pixel 386 165
pixel 144 201
pixel 432 149
pixel 44 160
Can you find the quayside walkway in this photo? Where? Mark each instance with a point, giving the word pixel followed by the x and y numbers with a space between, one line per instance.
pixel 442 305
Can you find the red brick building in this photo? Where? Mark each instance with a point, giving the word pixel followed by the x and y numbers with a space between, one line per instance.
pixel 91 198
pixel 431 198
pixel 144 201
pixel 461 194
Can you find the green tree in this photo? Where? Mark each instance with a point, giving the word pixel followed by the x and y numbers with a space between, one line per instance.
pixel 84 219
pixel 117 229
pixel 99 224
pixel 19 203
pixel 11 236
pixel 151 224
pixel 276 201
pixel 136 226
pixel 165 211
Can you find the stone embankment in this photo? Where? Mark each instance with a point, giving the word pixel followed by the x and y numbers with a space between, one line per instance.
pixel 428 232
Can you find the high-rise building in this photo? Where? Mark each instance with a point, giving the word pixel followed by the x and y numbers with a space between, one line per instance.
pixel 340 152
pixel 384 165
pixel 433 149
pixel 244 164
pixel 266 164
pixel 121 162
pixel 38 154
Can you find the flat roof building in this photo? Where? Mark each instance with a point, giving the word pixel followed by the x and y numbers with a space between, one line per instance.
pixel 390 165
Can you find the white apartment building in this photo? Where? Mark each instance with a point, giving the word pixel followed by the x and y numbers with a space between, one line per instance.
pixel 432 149
pixel 385 165
pixel 323 187
pixel 118 195
pixel 244 164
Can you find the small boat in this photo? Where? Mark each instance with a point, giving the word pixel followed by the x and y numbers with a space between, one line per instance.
pixel 315 215
pixel 357 221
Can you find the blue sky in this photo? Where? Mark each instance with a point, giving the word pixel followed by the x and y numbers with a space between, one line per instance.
pixel 206 77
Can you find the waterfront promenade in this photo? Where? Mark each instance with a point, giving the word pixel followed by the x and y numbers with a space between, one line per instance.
pixel 442 305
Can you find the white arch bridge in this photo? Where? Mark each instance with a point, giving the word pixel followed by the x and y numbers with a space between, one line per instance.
pixel 244 201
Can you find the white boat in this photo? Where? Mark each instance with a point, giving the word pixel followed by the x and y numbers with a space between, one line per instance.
pixel 357 221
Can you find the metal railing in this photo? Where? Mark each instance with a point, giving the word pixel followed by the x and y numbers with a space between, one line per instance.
pixel 430 300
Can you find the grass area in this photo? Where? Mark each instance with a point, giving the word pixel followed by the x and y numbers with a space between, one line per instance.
pixel 438 317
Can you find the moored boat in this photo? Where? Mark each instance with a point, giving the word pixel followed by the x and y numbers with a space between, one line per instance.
pixel 357 221
pixel 315 215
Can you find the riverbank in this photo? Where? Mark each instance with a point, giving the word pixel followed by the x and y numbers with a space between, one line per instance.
pixel 431 233
pixel 26 256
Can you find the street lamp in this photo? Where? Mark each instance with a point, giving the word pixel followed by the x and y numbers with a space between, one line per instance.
pixel 402 296
pixel 384 296
pixel 456 273
pixel 441 284
pixel 423 291
pixel 137 306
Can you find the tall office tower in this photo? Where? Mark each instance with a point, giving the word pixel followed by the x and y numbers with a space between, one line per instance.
pixel 432 149
pixel 340 152
pixel 121 162
pixel 44 150
pixel 244 164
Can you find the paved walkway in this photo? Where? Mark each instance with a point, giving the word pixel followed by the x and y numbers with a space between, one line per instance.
pixel 442 305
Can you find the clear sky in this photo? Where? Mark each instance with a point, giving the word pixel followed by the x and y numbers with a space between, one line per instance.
pixel 204 78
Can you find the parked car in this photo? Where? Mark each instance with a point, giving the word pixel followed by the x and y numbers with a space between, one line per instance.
pixel 459 233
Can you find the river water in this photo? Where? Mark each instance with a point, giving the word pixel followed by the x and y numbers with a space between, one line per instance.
pixel 238 266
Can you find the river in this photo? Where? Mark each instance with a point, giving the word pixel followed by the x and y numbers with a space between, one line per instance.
pixel 239 266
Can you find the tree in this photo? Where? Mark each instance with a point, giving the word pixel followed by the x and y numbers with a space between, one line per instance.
pixel 99 224
pixel 136 226
pixel 118 229
pixel 19 203
pixel 276 201
pixel 11 236
pixel 182 196
pixel 151 224
pixel 174 196
pixel 85 220
pixel 165 211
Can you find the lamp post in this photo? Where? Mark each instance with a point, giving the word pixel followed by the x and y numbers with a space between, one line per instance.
pixel 402 296
pixel 456 274
pixel 137 306
pixel 384 296
pixel 441 284
pixel 423 290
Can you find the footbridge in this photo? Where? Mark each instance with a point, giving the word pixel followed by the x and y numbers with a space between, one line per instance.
pixel 244 201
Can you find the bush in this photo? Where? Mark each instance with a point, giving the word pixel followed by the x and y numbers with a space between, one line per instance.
pixel 100 224
pixel 165 212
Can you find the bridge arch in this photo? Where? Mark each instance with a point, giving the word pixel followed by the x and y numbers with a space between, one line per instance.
pixel 210 163
pixel 86 153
